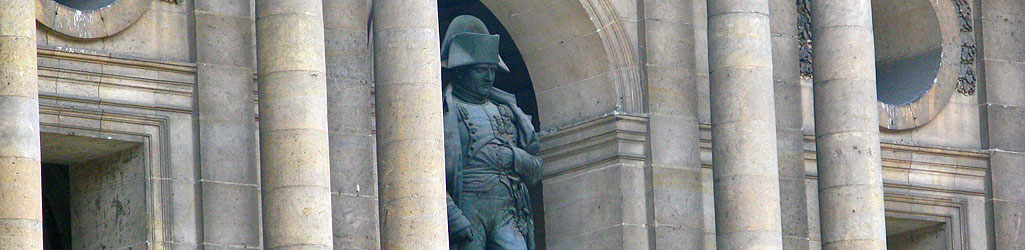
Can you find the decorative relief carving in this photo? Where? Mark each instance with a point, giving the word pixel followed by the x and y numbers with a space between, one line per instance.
pixel 804 36
pixel 966 80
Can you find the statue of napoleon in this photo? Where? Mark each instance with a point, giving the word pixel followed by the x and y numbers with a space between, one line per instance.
pixel 490 146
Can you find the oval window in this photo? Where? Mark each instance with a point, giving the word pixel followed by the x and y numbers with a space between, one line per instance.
pixel 907 41
pixel 89 19
pixel 917 60
pixel 86 5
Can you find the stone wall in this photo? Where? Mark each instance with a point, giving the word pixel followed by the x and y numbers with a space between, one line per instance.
pixel 108 202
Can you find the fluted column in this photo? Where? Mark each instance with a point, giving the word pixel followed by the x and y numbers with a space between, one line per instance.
pixel 293 125
pixel 847 126
pixel 745 173
pixel 351 124
pixel 675 166
pixel 410 142
pixel 21 200
pixel 786 76
pixel 224 89
pixel 1002 54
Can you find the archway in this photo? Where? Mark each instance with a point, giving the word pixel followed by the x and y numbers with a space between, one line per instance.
pixel 579 54
pixel 572 62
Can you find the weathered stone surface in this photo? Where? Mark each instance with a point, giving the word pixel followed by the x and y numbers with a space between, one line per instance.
pixel 594 186
pixel 411 157
pixel 846 126
pixel 1005 201
pixel 1002 113
pixel 672 125
pixel 109 201
pixel 350 124
pixel 355 222
pixel 789 136
pixel 746 176
pixel 293 125
pixel 228 165
pixel 20 184
pixel 231 215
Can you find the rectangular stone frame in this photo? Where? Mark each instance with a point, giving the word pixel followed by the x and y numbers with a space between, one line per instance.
pixel 141 101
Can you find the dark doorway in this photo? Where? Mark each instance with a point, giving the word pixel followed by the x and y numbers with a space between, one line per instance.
pixel 56 207
pixel 517 82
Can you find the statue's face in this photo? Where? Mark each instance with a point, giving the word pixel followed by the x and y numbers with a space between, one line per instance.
pixel 477 78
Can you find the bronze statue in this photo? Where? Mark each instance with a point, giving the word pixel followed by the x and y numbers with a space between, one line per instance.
pixel 490 146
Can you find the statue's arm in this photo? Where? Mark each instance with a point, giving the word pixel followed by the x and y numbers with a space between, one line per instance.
pixel 527 165
pixel 456 220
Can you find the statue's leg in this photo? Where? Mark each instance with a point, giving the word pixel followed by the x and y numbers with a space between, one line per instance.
pixel 477 243
pixel 477 227
pixel 506 236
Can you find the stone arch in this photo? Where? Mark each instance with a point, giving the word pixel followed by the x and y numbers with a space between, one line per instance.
pixel 579 55
pixel 581 63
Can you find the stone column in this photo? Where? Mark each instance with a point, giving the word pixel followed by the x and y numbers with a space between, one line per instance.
pixel 675 164
pixel 21 200
pixel 224 58
pixel 847 126
pixel 786 76
pixel 745 173
pixel 410 141
pixel 293 125
pixel 1002 55
pixel 351 124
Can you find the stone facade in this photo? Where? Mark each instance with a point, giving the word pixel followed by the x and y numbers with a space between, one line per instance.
pixel 665 124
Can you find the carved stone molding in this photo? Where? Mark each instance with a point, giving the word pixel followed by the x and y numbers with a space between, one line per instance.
pixel 91 24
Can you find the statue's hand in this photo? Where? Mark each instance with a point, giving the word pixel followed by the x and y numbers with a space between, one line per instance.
pixel 533 148
pixel 464 235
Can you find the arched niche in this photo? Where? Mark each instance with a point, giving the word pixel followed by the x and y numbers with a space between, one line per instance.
pixel 579 56
pixel 571 61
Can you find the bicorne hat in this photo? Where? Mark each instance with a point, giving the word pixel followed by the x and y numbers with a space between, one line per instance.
pixel 468 42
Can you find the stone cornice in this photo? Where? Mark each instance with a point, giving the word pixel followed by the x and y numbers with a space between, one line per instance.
pixel 80 56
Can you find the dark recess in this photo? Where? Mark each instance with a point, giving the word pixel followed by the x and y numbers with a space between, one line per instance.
pixel 56 207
